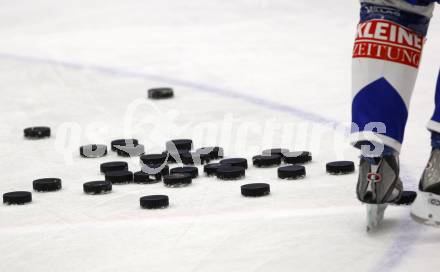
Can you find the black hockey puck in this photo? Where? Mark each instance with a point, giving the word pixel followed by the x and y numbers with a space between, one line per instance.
pixel 230 172
pixel 266 160
pixel 407 198
pixel 119 177
pixel 160 93
pixel 255 189
pixel 113 166
pixel 144 178
pixel 155 171
pixel 37 132
pixel 211 169
pixel 340 167
pixel 276 151
pixel 123 142
pixel 215 152
pixel 175 156
pixel 179 145
pixel 97 187
pixel 292 172
pixel 17 198
pixel 191 170
pixel 236 162
pixel 177 180
pixel 130 150
pixel 47 184
pixel 195 158
pixel 154 158
pixel 297 157
pixel 155 202
pixel 93 151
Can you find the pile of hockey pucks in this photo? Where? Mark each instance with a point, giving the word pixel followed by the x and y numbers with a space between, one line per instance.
pixel 155 167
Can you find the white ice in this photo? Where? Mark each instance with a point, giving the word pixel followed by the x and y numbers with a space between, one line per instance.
pixel 78 65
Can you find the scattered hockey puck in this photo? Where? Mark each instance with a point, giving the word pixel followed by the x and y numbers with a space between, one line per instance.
pixel 119 177
pixel 17 198
pixel 276 151
pixel 144 178
pixel 97 187
pixel 155 171
pixel 113 166
pixel 192 171
pixel 177 180
pixel 230 172
pixel 154 158
pixel 266 160
pixel 215 152
pixel 37 132
pixel 211 169
pixel 47 185
pixel 130 150
pixel 255 189
pixel 292 172
pixel 174 157
pixel 298 157
pixel 179 145
pixel 123 142
pixel 407 198
pixel 195 158
pixel 236 162
pixel 93 151
pixel 340 167
pixel 155 202
pixel 160 93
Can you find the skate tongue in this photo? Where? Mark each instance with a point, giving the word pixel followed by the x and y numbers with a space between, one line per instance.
pixel 373 160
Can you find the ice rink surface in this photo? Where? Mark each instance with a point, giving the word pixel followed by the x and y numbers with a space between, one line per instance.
pixel 248 75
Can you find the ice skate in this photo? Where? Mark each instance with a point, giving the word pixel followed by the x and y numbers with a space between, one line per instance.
pixel 378 186
pixel 426 208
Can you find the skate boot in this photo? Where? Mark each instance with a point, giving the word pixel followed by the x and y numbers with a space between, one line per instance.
pixel 426 208
pixel 378 185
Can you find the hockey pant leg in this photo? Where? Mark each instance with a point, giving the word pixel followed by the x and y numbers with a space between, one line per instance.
pixel 386 57
pixel 434 124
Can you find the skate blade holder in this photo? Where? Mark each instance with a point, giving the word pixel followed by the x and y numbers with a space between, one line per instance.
pixel 426 209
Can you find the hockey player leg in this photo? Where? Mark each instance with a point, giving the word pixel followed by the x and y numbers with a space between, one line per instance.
pixel 386 57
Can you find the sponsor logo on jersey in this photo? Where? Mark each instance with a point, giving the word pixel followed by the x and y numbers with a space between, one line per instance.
pixel 388 41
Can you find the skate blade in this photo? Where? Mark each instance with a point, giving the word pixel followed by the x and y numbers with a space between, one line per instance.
pixel 375 215
pixel 426 209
